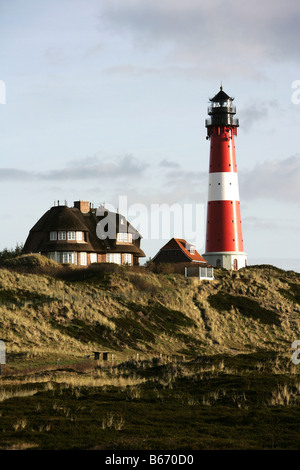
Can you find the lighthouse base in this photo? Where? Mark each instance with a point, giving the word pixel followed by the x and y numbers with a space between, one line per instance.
pixel 226 259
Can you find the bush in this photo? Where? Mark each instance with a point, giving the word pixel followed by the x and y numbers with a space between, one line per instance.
pixel 9 254
pixel 33 264
pixel 167 268
pixel 164 268
pixel 31 260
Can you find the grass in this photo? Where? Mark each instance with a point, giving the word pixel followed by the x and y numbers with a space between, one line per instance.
pixel 197 365
pixel 48 309
pixel 247 307
pixel 225 402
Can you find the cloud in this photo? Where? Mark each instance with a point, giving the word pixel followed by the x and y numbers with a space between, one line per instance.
pixel 13 174
pixel 274 179
pixel 168 164
pixel 270 224
pixel 93 167
pixel 86 169
pixel 223 36
pixel 181 185
pixel 131 70
pixel 258 110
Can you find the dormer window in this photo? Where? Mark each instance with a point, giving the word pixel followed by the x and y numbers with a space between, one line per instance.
pixel 190 248
pixel 62 235
pixel 124 237
pixel 79 236
pixel 71 235
pixel 53 236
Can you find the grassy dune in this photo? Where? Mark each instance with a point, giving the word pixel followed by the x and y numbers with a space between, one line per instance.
pixel 48 309
pixel 198 365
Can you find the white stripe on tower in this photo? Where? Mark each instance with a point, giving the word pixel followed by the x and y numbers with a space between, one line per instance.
pixel 223 187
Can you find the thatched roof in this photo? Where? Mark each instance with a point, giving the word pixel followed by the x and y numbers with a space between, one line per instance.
pixel 63 218
pixel 60 218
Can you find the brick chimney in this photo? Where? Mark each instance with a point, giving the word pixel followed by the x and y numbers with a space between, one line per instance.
pixel 83 206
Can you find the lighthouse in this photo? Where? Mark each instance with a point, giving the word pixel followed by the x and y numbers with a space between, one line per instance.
pixel 224 239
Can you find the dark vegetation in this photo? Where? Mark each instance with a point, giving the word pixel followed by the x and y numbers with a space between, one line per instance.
pixel 10 253
pixel 220 402
pixel 247 307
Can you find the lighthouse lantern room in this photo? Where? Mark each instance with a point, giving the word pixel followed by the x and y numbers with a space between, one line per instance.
pixel 224 239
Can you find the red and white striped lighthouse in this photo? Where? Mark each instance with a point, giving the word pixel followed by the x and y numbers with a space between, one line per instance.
pixel 224 239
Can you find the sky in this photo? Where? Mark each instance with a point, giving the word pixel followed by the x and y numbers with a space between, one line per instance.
pixel 106 101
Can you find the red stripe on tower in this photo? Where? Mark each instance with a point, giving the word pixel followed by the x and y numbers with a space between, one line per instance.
pixel 224 238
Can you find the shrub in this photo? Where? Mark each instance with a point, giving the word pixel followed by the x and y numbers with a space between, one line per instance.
pixel 9 254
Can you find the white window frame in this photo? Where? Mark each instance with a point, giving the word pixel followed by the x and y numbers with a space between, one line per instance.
pixel 93 257
pixel 83 258
pixel 71 235
pixel 64 257
pixel 124 237
pixel 79 236
pixel 62 235
pixel 114 258
pixel 68 257
pixel 128 259
pixel 53 236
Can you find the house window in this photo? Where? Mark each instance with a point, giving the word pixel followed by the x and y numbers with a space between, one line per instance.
pixel 124 237
pixel 53 235
pixel 68 257
pixel 113 258
pixel 63 257
pixel 128 259
pixel 83 259
pixel 62 235
pixel 192 250
pixel 79 236
pixel 71 235
pixel 93 257
pixel 235 264
pixel 218 263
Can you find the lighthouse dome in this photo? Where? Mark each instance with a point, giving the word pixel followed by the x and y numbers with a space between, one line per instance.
pixel 221 110
pixel 221 97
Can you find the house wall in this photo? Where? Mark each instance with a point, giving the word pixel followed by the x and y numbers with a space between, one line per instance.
pixel 171 256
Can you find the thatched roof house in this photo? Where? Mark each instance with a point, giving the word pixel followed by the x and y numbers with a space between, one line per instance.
pixel 83 235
